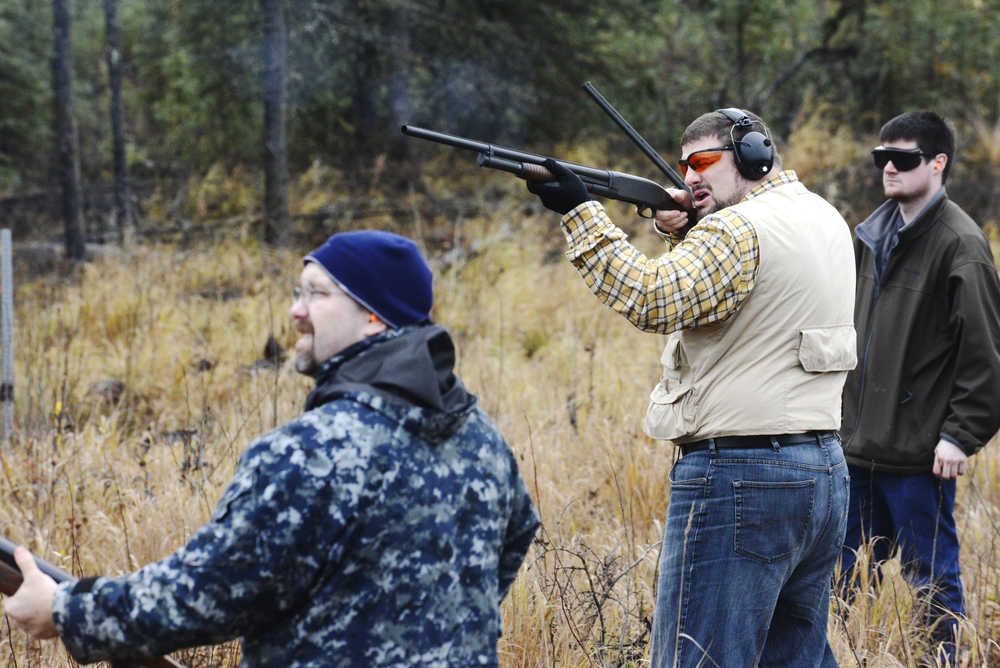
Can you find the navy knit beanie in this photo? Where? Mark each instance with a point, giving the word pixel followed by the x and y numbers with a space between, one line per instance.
pixel 382 271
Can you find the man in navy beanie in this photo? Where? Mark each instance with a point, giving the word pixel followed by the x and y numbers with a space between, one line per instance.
pixel 386 283
pixel 381 527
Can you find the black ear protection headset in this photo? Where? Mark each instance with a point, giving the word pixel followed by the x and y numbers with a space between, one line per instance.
pixel 755 151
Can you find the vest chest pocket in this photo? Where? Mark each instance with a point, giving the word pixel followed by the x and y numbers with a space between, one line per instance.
pixel 825 349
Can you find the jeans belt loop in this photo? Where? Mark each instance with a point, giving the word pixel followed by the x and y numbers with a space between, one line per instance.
pixel 775 445
pixel 711 446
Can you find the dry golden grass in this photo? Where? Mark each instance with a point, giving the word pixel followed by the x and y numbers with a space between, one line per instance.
pixel 102 484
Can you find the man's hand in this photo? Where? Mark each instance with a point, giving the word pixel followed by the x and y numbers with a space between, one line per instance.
pixel 673 221
pixel 949 460
pixel 31 606
pixel 565 193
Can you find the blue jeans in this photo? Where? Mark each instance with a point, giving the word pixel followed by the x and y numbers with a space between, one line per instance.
pixel 914 514
pixel 751 541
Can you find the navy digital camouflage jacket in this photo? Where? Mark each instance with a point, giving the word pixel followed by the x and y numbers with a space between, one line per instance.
pixel 382 527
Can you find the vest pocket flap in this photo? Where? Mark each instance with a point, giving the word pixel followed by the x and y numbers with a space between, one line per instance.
pixel 663 395
pixel 670 358
pixel 823 349
pixel 670 414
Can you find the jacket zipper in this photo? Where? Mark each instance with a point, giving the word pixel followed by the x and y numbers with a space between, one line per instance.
pixel 868 342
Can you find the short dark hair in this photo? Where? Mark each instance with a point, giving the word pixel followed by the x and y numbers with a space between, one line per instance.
pixel 931 132
pixel 718 125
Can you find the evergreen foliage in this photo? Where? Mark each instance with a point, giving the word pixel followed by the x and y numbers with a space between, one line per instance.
pixel 509 71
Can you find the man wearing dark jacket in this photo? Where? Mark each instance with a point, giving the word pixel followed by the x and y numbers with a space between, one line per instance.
pixel 380 528
pixel 926 393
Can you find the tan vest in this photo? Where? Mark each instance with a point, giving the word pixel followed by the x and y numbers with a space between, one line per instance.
pixel 778 365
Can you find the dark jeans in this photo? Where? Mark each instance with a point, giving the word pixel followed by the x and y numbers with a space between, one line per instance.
pixel 912 513
pixel 751 541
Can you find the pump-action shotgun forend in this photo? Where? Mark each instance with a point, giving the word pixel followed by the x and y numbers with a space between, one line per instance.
pixel 648 196
pixel 10 582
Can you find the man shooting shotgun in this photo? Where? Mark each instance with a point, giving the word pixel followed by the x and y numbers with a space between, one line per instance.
pixel 756 302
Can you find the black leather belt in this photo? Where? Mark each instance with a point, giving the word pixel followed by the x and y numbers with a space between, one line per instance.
pixel 755 442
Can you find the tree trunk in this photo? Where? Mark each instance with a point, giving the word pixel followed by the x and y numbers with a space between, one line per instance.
pixel 276 217
pixel 66 150
pixel 117 114
pixel 400 102
pixel 365 130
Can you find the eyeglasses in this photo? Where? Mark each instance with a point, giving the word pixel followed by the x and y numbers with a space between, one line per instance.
pixel 903 159
pixel 306 295
pixel 701 160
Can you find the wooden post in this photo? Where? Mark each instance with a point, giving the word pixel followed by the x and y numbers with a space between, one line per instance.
pixel 7 333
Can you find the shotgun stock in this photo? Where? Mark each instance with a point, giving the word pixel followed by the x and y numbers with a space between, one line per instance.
pixel 10 582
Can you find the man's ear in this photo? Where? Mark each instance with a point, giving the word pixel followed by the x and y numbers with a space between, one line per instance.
pixel 374 326
pixel 940 162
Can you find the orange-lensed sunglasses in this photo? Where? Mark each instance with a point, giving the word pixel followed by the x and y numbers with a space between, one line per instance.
pixel 701 160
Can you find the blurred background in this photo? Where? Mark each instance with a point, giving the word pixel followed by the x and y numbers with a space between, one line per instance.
pixel 285 114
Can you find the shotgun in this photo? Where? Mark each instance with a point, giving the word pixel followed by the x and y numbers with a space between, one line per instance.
pixel 10 582
pixel 648 196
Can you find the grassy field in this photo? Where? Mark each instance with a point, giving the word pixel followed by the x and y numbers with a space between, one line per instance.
pixel 137 389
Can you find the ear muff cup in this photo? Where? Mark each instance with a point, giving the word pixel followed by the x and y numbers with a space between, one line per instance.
pixel 754 153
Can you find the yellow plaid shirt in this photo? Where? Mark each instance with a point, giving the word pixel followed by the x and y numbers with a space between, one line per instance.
pixel 702 279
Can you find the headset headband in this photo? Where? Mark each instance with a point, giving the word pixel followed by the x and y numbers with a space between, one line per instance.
pixel 754 152
pixel 737 116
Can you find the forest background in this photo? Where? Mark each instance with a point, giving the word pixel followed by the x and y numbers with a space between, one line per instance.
pixel 200 147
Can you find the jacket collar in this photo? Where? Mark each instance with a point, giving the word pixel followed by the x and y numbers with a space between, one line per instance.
pixel 876 226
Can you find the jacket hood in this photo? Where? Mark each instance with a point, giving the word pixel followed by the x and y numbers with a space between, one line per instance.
pixel 407 374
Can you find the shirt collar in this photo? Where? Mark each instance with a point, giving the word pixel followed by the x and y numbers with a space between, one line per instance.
pixel 783 177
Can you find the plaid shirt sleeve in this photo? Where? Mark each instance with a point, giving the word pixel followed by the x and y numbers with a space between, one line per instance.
pixel 704 278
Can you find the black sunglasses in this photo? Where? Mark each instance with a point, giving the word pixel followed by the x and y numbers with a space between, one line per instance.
pixel 904 159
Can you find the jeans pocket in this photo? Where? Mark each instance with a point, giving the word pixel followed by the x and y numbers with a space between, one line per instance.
pixel 772 517
pixel 689 473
